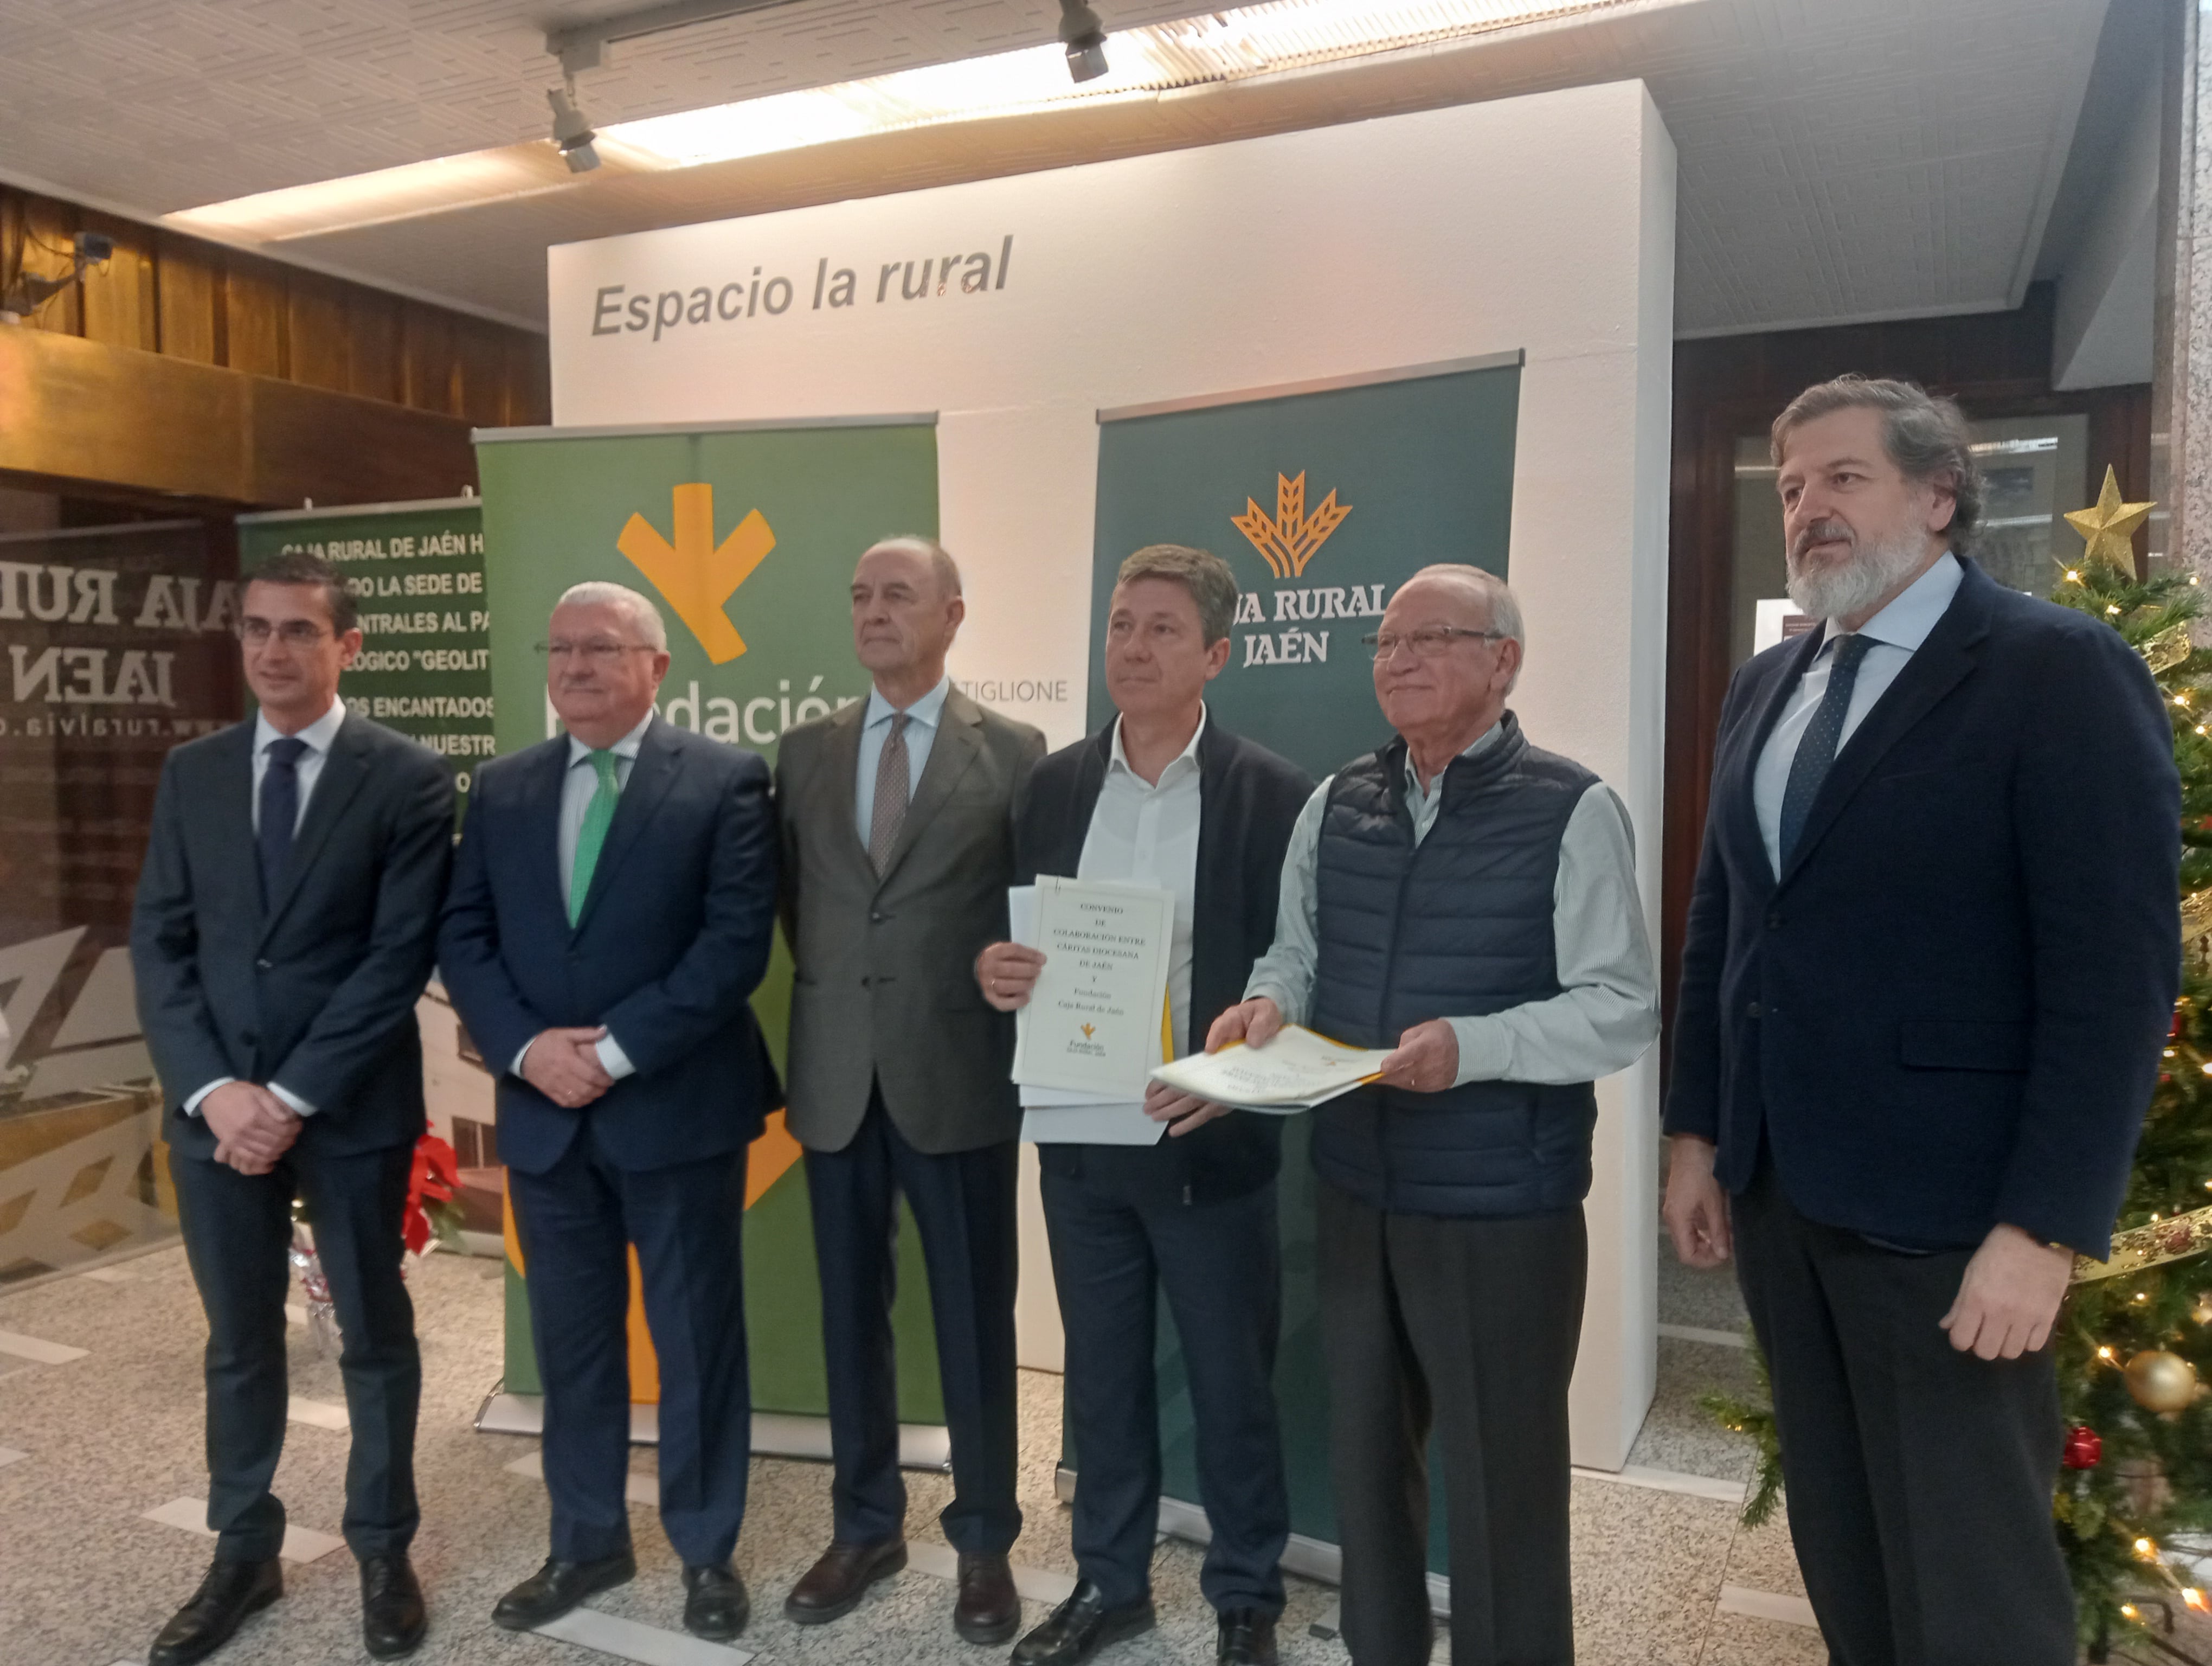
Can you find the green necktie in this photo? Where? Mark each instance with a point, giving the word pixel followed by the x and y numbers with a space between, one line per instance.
pixel 592 836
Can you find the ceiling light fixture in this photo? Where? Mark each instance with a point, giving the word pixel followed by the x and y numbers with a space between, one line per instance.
pixel 572 132
pixel 1213 49
pixel 1084 37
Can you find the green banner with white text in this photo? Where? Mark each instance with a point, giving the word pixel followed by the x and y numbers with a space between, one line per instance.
pixel 746 537
pixel 416 572
pixel 1323 502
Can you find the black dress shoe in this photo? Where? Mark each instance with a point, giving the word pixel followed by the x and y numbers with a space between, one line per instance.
pixel 1247 1638
pixel 558 1587
pixel 840 1577
pixel 231 1591
pixel 393 1620
pixel 1080 1627
pixel 715 1605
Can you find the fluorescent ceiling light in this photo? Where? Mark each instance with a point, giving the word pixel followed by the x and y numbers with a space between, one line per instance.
pixel 1223 47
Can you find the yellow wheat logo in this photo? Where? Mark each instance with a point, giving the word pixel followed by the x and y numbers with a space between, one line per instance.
pixel 694 574
pixel 1293 537
pixel 1088 1032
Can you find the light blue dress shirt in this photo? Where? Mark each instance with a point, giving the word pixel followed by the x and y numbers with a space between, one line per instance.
pixel 923 719
pixel 1896 634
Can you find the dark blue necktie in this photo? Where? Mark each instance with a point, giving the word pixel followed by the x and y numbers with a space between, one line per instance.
pixel 280 810
pixel 1816 747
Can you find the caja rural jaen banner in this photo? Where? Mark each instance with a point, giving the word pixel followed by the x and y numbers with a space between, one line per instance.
pixel 745 535
pixel 1324 501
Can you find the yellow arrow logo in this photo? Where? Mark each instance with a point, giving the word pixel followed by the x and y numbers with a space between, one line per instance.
pixel 696 576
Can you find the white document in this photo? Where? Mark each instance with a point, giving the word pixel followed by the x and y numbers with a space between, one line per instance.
pixel 1058 1115
pixel 1295 1071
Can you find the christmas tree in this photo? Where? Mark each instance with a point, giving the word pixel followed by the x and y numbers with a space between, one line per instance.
pixel 2134 1338
pixel 2133 1503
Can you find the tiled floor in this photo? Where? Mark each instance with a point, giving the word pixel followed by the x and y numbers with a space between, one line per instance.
pixel 86 1578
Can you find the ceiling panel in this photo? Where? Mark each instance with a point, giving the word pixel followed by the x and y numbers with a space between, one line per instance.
pixel 1839 159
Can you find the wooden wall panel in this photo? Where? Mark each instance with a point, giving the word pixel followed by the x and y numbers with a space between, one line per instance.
pixel 48 230
pixel 315 325
pixel 529 381
pixel 482 360
pixel 372 369
pixel 188 283
pixel 255 315
pixel 429 367
pixel 121 306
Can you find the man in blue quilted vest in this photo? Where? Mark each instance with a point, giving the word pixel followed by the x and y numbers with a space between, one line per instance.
pixel 1469 901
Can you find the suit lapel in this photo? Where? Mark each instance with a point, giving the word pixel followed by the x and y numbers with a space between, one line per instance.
pixel 1741 806
pixel 541 782
pixel 1937 668
pixel 959 738
pixel 843 760
pixel 231 816
pixel 340 781
pixel 651 774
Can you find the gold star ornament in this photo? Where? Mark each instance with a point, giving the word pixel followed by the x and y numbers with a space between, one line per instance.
pixel 2110 526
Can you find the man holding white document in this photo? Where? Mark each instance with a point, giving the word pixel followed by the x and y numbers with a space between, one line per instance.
pixel 1161 1191
pixel 1469 903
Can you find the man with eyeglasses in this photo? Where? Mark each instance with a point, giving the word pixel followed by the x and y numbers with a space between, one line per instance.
pixel 612 904
pixel 1468 901
pixel 283 931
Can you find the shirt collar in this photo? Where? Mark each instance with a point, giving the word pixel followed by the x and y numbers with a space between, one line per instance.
pixel 1482 743
pixel 625 748
pixel 318 734
pixel 1913 612
pixel 1118 759
pixel 925 711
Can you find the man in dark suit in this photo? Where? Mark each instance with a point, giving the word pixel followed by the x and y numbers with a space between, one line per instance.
pixel 612 909
pixel 282 935
pixel 1932 953
pixel 1165 796
pixel 898 847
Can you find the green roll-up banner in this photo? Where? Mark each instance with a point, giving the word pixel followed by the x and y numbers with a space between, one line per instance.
pixel 1323 501
pixel 416 574
pixel 746 536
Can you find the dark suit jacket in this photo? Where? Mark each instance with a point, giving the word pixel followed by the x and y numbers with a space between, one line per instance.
pixel 318 989
pixel 672 940
pixel 1249 800
pixel 1948 1012
pixel 885 986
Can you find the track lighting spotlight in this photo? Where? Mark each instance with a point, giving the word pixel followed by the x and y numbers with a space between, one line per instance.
pixel 571 133
pixel 1084 37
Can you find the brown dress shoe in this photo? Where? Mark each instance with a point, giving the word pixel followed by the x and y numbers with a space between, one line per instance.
pixel 989 1610
pixel 834 1586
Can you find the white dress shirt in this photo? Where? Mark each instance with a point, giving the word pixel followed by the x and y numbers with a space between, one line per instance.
pixel 923 718
pixel 1146 834
pixel 1895 634
pixel 318 735
pixel 577 789
pixel 1607 1011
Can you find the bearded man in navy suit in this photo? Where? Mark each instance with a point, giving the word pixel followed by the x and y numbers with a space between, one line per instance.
pixel 1932 956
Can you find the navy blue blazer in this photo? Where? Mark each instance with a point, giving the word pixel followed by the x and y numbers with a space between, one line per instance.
pixel 314 989
pixel 1947 1011
pixel 672 940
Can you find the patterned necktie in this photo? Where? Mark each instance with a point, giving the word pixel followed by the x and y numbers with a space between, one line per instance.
pixel 892 790
pixel 592 836
pixel 280 812
pixel 1816 748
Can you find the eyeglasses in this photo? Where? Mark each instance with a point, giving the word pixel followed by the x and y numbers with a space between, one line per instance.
pixel 293 633
pixel 1428 642
pixel 599 652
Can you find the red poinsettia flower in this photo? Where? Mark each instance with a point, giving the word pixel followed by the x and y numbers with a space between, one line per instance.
pixel 433 1182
